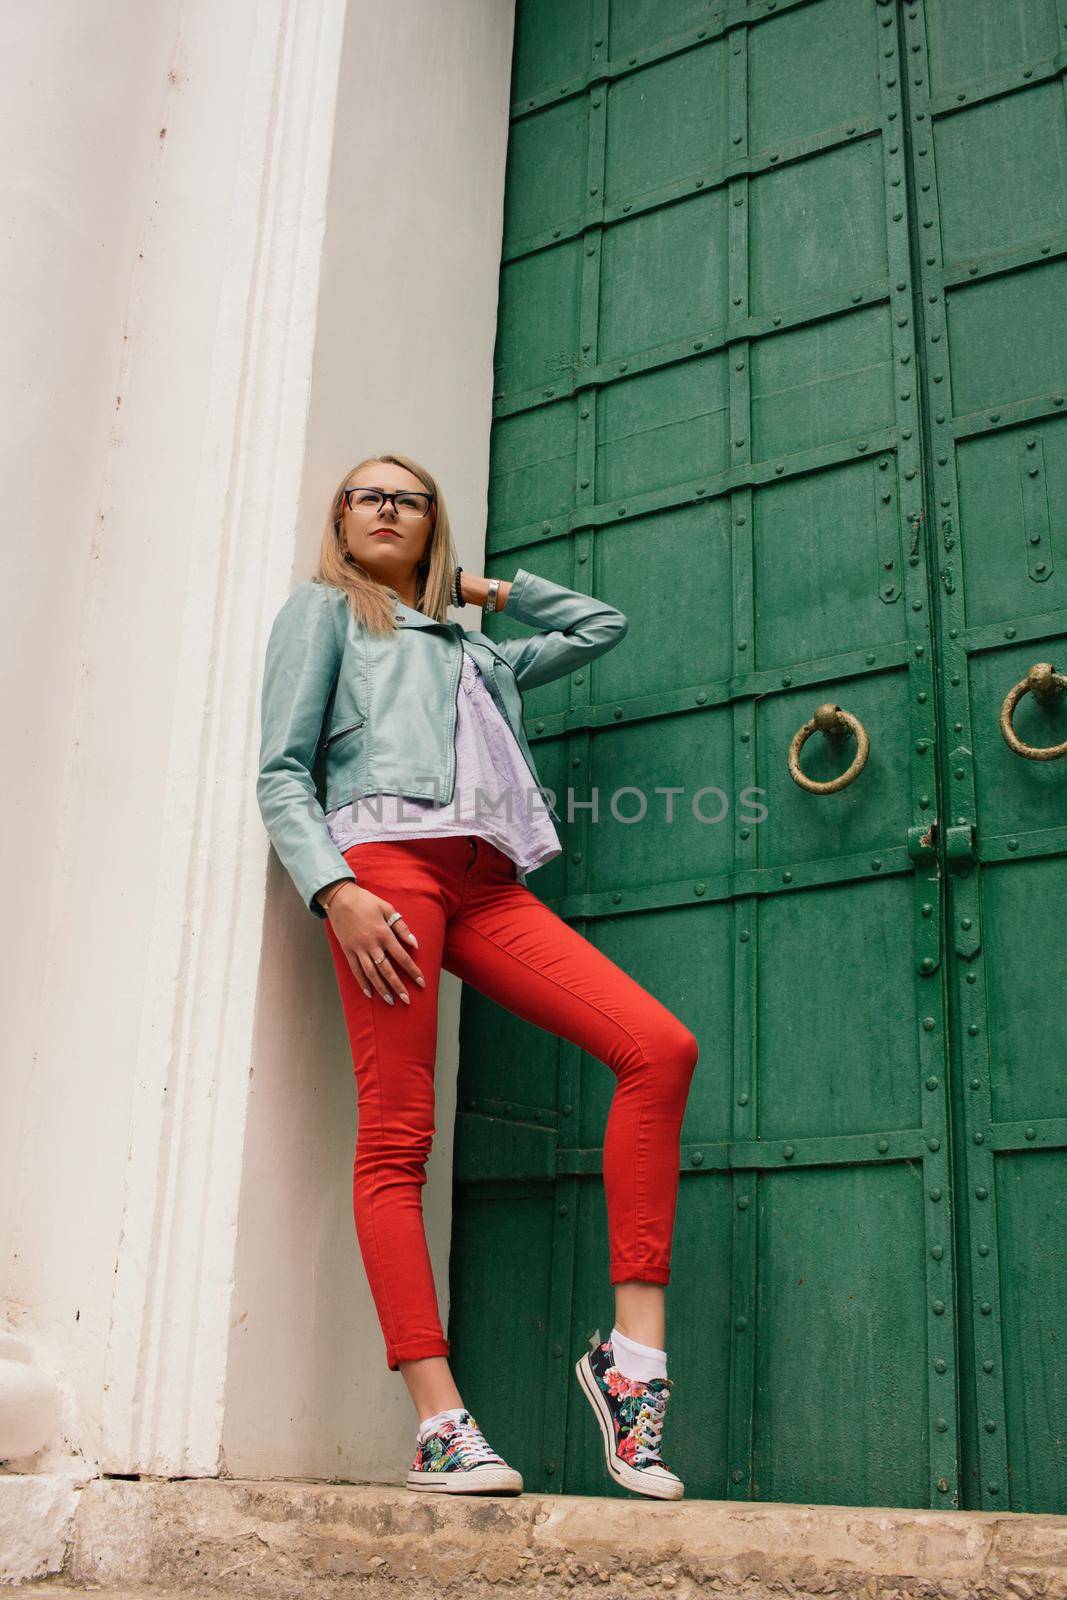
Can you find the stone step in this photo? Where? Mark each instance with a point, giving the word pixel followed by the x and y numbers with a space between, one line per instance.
pixel 280 1540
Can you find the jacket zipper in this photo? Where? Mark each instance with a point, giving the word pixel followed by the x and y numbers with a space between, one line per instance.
pixel 455 720
pixel 333 738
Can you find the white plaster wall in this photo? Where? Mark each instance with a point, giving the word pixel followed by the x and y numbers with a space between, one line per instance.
pixel 421 129
pixel 86 95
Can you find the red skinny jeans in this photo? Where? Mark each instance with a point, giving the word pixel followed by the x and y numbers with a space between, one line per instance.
pixel 460 897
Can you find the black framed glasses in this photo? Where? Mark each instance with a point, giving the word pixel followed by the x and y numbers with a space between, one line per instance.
pixel 406 502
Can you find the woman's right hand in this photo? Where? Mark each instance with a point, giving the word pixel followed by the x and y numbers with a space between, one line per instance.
pixel 359 919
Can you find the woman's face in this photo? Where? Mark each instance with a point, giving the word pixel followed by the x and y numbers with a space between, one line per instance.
pixel 388 539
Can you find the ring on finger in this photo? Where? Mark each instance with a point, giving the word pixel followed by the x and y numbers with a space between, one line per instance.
pixel 379 958
pixel 394 918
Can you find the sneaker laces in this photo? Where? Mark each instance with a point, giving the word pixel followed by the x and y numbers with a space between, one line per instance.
pixel 648 1428
pixel 473 1442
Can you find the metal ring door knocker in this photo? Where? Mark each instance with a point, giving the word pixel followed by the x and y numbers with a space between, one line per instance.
pixel 1047 684
pixel 834 723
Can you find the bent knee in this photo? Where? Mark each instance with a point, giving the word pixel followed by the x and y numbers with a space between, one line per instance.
pixel 675 1049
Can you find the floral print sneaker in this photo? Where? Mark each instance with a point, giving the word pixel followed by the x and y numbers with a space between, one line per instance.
pixel 457 1459
pixel 630 1413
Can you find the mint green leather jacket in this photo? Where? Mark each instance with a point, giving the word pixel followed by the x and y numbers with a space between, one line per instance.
pixel 346 713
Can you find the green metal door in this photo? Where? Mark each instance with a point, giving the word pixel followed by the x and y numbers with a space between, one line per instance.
pixel 987 148
pixel 780 372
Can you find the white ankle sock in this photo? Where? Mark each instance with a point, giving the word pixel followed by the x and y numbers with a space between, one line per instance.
pixel 434 1422
pixel 641 1361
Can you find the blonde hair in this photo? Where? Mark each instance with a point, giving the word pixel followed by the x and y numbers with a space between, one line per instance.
pixel 372 602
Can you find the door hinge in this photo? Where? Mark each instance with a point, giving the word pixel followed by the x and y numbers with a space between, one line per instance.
pixel 959 844
pixel 961 853
pixel 922 841
pixel 923 848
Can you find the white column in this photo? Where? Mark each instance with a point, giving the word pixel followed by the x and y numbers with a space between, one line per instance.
pixel 194 305
pixel 167 1349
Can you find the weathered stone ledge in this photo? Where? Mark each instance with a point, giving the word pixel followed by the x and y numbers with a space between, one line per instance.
pixel 280 1540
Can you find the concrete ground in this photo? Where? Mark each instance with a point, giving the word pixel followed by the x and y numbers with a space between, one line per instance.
pixel 202 1538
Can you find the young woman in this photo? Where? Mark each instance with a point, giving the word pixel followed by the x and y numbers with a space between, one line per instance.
pixel 410 727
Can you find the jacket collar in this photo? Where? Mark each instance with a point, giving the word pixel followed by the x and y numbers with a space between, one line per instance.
pixel 408 616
